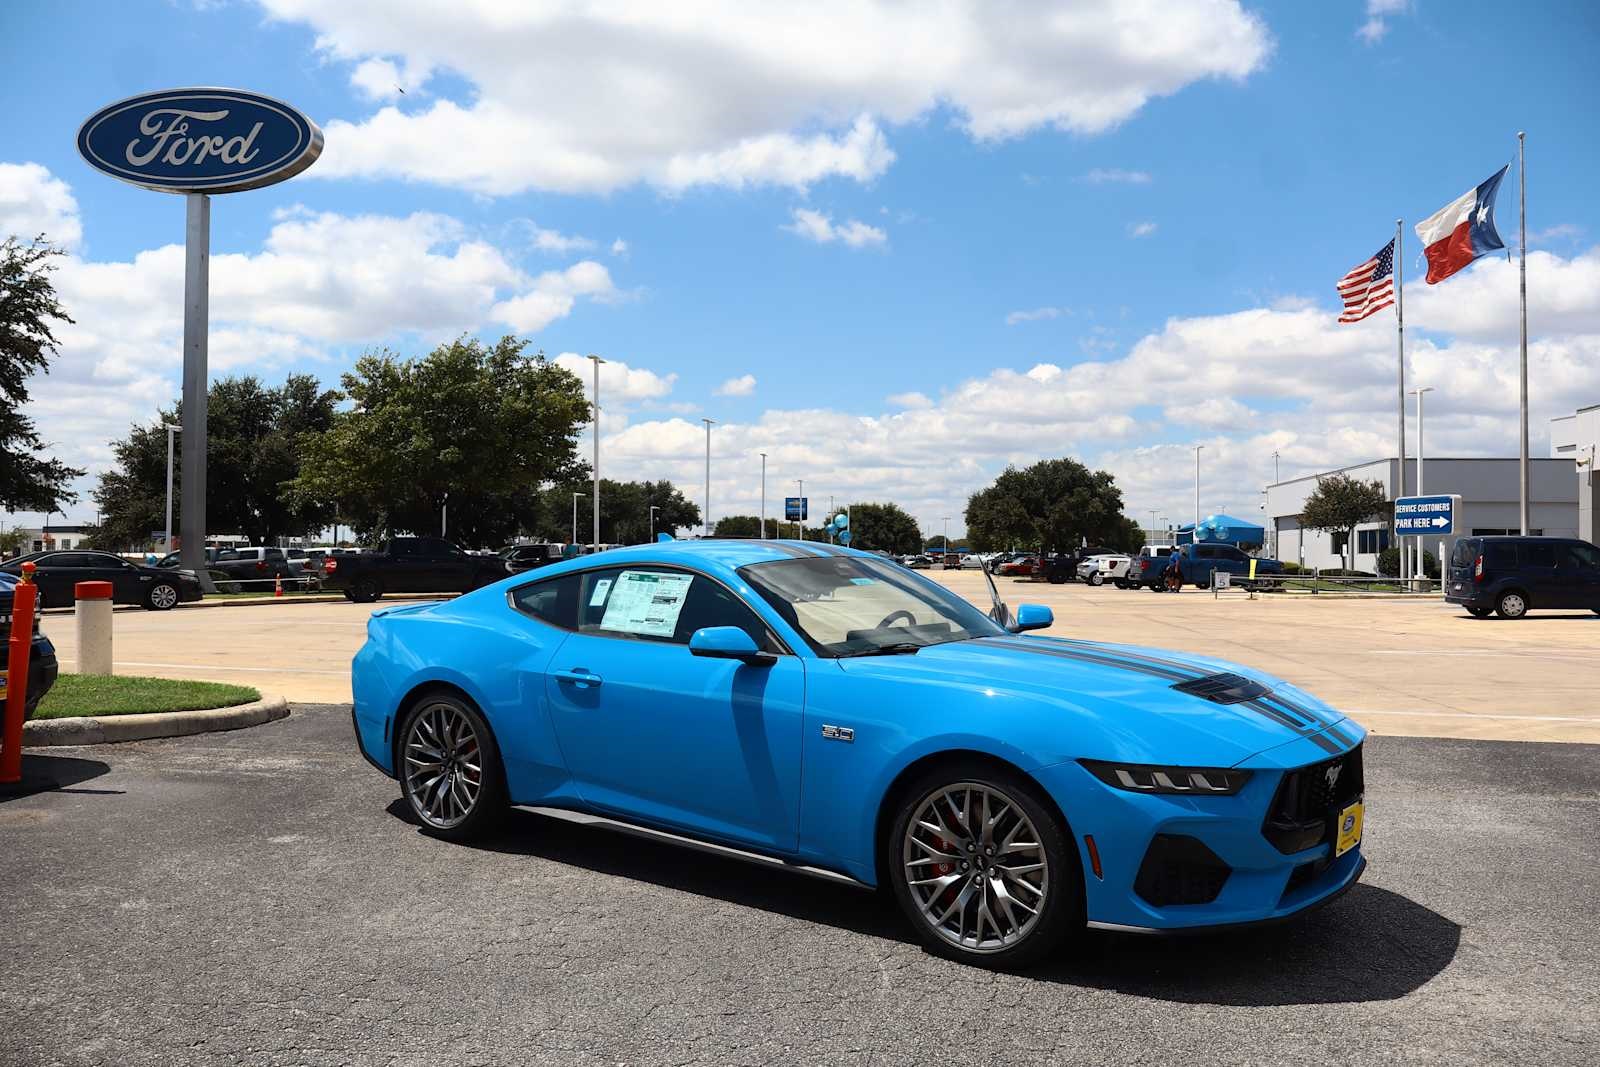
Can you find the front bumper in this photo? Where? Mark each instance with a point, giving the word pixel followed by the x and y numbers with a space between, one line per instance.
pixel 1224 871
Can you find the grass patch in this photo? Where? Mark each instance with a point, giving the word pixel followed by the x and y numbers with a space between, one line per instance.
pixel 95 694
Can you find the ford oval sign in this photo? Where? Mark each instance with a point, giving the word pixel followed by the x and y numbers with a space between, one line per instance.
pixel 200 141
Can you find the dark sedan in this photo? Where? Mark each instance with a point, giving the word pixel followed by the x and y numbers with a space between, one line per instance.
pixel 131 583
pixel 42 665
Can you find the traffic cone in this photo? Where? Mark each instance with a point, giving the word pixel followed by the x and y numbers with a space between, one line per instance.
pixel 277 585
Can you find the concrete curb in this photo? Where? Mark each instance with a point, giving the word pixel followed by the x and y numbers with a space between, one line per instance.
pixel 108 729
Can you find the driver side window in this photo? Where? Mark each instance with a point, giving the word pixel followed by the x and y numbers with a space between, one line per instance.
pixel 662 604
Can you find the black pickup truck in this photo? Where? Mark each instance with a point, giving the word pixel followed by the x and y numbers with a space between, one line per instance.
pixel 42 665
pixel 410 565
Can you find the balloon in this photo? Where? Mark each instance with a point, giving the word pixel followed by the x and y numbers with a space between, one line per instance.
pixel 841 521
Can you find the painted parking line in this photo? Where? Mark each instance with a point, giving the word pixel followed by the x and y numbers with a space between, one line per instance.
pixel 1474 653
pixel 1476 715
pixel 221 667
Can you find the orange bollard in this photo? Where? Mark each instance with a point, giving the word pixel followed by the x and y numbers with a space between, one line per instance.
pixel 277 585
pixel 21 649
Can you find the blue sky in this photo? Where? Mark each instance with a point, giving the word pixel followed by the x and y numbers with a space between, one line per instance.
pixel 990 234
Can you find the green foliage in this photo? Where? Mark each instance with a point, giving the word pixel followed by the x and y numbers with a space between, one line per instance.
pixel 1340 503
pixel 1389 563
pixel 741 526
pixel 29 481
pixel 254 437
pixel 884 527
pixel 936 543
pixel 1055 505
pixel 487 425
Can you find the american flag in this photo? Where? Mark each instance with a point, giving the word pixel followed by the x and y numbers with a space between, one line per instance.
pixel 1369 287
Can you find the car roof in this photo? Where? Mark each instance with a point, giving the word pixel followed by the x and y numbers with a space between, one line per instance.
pixel 723 553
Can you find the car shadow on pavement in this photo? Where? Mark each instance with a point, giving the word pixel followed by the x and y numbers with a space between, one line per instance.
pixel 1372 944
pixel 41 774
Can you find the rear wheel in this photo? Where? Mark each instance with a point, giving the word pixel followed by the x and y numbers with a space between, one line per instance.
pixel 449 768
pixel 161 596
pixel 1512 605
pixel 1097 578
pixel 365 590
pixel 983 868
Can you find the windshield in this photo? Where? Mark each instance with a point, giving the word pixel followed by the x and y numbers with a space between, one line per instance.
pixel 854 605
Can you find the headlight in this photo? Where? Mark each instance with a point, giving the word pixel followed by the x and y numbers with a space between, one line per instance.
pixel 1151 778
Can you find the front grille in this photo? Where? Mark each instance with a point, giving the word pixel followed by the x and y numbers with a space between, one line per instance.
pixel 1303 809
pixel 1223 688
pixel 1178 869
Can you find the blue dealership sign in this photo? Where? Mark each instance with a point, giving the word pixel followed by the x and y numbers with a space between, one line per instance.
pixel 1431 516
pixel 794 508
pixel 200 141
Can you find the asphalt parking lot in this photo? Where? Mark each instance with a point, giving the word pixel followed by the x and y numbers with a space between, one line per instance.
pixel 1419 668
pixel 258 897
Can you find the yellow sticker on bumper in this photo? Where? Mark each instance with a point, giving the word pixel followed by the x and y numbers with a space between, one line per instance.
pixel 1349 829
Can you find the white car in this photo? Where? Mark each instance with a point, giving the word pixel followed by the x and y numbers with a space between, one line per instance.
pixel 1096 569
pixel 972 563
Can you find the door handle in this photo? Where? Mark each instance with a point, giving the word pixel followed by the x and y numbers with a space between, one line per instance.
pixel 581 677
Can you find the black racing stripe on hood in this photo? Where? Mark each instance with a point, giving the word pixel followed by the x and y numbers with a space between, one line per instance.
pixel 1324 742
pixel 1339 736
pixel 1087 657
pixel 1274 714
pixel 1188 669
pixel 1296 708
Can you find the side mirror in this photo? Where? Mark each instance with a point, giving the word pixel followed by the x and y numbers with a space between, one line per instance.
pixel 729 642
pixel 1032 617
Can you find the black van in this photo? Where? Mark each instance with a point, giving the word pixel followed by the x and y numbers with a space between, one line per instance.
pixel 1512 575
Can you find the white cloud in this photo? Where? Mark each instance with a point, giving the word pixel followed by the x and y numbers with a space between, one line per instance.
pixel 377 79
pixel 1036 315
pixel 1376 26
pixel 910 400
pixel 819 227
pixel 620 383
pixel 32 201
pixel 743 385
pixel 554 240
pixel 553 295
pixel 597 97
pixel 1141 229
pixel 1104 175
pixel 619 247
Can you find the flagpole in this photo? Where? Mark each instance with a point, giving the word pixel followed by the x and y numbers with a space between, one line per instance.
pixel 1400 334
pixel 1522 191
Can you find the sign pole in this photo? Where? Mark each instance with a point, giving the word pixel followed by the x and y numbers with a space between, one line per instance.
pixel 1522 192
pixel 196 317
pixel 1400 343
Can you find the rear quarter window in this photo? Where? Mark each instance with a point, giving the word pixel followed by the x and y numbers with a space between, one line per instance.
pixel 1500 555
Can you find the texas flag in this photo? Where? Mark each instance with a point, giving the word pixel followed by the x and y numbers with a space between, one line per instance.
pixel 1462 230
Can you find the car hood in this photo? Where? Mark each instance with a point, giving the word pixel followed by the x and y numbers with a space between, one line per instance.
pixel 1124 697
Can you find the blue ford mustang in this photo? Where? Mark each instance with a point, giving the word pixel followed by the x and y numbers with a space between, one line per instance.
pixel 833 712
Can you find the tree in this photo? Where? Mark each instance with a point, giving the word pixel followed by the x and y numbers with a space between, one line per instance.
pixel 29 481
pixel 1389 563
pixel 483 428
pixel 624 511
pixel 1054 505
pixel 1126 536
pixel 1340 503
pixel 253 442
pixel 884 527
pixel 739 526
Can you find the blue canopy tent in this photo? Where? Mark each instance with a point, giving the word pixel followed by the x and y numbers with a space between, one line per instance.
pixel 1224 529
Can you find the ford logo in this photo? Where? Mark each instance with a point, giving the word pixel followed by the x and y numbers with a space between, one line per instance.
pixel 200 141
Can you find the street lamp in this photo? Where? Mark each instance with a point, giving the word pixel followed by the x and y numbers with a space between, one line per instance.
pixel 799 530
pixel 1197 449
pixel 946 545
pixel 763 496
pixel 597 361
pixel 1419 569
pixel 705 521
pixel 653 509
pixel 575 498
pixel 167 534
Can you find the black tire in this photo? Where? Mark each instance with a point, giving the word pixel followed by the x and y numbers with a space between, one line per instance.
pixel 162 595
pixel 489 804
pixel 348 595
pixel 1122 583
pixel 364 590
pixel 1512 604
pixel 1479 613
pixel 1058 579
pixel 1096 579
pixel 1060 917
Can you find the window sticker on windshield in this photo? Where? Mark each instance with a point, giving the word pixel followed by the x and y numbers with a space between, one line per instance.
pixel 646 603
pixel 863 581
pixel 598 597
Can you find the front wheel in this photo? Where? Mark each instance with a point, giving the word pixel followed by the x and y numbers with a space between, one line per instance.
pixel 1097 578
pixel 365 590
pixel 162 596
pixel 449 768
pixel 983 868
pixel 1512 605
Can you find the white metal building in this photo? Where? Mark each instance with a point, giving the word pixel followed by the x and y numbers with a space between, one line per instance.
pixel 1490 491
pixel 1575 439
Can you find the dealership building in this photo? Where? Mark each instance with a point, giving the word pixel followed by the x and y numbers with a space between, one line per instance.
pixel 1575 439
pixel 1490 491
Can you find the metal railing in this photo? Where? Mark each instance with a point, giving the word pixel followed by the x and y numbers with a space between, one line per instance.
pixel 1316 582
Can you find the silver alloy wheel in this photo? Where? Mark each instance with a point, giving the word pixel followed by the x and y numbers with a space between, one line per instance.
pixel 163 596
pixel 975 866
pixel 443 766
pixel 1513 605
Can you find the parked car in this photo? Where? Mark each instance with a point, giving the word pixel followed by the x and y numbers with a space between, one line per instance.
pixel 42 664
pixel 919 563
pixel 1148 566
pixel 238 570
pixel 155 588
pixel 1104 567
pixel 1197 562
pixel 1515 575
pixel 835 716
pixel 970 562
pixel 1020 567
pixel 526 557
pixel 410 565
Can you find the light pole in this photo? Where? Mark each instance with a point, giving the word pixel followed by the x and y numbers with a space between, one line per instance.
pixel 1419 570
pixel 763 496
pixel 946 538
pixel 167 542
pixel 597 361
pixel 653 509
pixel 1275 478
pixel 1196 533
pixel 444 515
pixel 705 522
pixel 799 529
pixel 575 498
